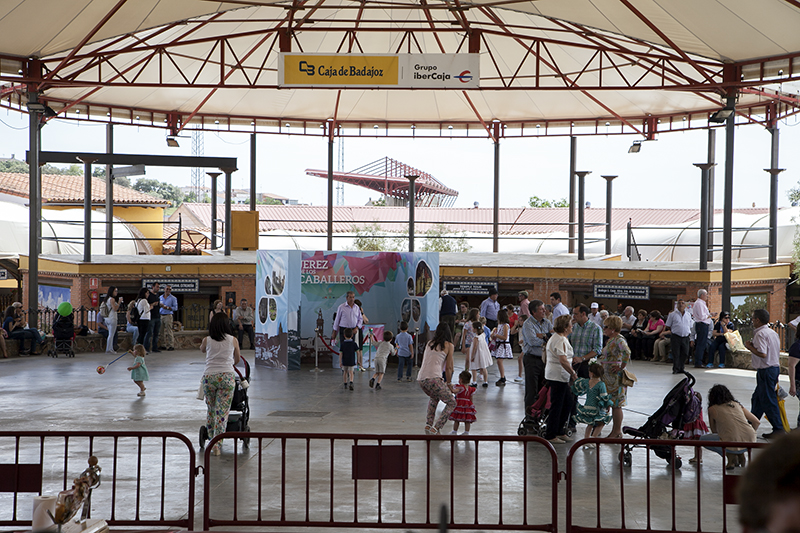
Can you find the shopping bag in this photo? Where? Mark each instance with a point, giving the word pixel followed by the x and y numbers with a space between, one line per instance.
pixel 734 341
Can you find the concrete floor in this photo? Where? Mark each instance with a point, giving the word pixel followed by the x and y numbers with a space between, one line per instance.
pixel 44 394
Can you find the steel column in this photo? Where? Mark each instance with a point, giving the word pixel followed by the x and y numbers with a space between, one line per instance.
pixel 727 223
pixel 330 188
pixel 214 176
pixel 253 172
pixel 712 158
pixel 608 179
pixel 496 205
pixel 228 173
pixel 705 188
pixel 179 239
pixel 581 215
pixel 109 193
pixel 35 209
pixel 573 158
pixel 773 194
pixel 628 240
pixel 87 209
pixel 412 203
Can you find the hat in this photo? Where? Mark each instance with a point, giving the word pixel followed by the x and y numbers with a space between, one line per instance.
pixel 594 305
pixel 443 293
pixel 492 291
pixel 524 294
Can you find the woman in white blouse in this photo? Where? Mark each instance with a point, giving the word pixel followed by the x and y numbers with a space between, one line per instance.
pixel 558 372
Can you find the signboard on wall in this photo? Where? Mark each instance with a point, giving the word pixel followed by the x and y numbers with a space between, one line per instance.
pixel 177 284
pixel 475 288
pixel 623 292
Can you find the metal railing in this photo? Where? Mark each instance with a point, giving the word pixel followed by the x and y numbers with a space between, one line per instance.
pixel 383 481
pixel 138 470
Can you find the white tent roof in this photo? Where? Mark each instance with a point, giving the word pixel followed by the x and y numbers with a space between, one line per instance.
pixel 598 60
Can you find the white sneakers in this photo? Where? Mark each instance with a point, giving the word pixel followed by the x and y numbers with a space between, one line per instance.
pixel 141 393
pixel 518 379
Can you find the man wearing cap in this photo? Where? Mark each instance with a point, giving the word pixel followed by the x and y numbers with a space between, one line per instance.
pixel 594 316
pixel 524 304
pixel 447 312
pixel 489 309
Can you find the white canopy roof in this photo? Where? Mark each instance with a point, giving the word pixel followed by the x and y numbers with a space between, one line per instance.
pixel 552 61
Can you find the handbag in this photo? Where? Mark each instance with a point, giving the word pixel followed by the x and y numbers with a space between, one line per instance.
pixel 628 378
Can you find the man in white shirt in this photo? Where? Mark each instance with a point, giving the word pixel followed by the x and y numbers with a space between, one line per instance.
pixel 348 315
pixel 558 308
pixel 703 324
pixel 766 348
pixel 594 316
pixel 680 324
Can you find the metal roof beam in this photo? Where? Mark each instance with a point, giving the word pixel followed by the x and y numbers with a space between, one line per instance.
pixel 69 158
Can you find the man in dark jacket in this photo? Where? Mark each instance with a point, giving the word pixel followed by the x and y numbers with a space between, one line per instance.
pixel 447 312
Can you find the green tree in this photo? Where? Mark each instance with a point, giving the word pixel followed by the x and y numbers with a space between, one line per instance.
pixel 743 312
pixel 380 202
pixel 266 201
pixel 369 239
pixel 535 201
pixel 794 194
pixel 159 189
pixel 122 181
pixel 14 166
pixel 438 239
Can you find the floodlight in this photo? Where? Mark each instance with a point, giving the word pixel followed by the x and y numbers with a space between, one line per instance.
pixel 721 116
pixel 635 147
pixel 173 142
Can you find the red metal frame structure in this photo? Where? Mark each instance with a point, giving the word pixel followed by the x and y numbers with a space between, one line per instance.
pixel 388 177
pixel 201 54
pixel 47 462
pixel 384 481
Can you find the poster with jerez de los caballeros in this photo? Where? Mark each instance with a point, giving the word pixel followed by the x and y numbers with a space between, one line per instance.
pixel 298 293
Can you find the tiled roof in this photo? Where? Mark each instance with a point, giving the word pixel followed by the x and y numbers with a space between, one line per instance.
pixel 513 221
pixel 63 189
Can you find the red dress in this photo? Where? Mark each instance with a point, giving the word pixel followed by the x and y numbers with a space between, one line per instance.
pixel 465 409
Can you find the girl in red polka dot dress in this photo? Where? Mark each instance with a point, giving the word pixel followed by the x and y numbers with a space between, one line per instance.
pixel 465 409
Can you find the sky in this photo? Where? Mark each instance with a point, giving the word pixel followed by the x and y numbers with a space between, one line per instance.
pixel 661 175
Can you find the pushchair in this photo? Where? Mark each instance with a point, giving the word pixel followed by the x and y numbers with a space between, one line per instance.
pixel 239 415
pixel 535 421
pixel 63 337
pixel 680 407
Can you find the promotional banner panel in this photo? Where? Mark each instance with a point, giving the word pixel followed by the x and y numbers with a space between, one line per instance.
pixel 410 71
pixel 299 293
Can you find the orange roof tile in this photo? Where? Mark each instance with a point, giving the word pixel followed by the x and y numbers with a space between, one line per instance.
pixel 64 189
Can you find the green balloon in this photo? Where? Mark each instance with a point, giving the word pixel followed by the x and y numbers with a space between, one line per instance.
pixel 65 309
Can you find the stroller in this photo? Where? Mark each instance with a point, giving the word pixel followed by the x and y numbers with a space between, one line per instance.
pixel 535 421
pixel 680 407
pixel 63 337
pixel 239 415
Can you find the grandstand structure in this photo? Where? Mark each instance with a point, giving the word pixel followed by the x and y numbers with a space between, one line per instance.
pixel 390 178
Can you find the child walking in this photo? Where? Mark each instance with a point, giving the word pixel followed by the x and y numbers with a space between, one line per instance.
pixel 404 343
pixel 693 431
pixel 347 357
pixel 465 409
pixel 138 371
pixel 479 357
pixel 382 352
pixel 595 412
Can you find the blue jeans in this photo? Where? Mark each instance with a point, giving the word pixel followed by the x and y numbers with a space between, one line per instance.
pixel 765 399
pixel 151 336
pixel 718 449
pixel 701 339
pixel 718 346
pixel 404 361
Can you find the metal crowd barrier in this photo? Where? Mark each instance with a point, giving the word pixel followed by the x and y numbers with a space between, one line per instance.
pixel 646 485
pixel 138 470
pixel 383 481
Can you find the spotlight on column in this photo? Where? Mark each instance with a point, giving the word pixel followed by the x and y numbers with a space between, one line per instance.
pixel 721 116
pixel 173 142
pixel 635 147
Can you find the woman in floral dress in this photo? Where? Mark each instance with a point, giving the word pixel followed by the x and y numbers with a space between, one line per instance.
pixel 615 357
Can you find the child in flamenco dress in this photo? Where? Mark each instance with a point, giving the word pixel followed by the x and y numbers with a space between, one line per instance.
pixel 465 409
pixel 595 412
pixel 693 430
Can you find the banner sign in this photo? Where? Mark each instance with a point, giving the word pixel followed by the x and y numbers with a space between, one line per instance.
pixel 404 71
pixel 627 292
pixel 476 288
pixel 177 284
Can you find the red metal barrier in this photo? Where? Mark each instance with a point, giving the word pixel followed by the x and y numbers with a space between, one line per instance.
pixel 383 481
pixel 644 484
pixel 139 469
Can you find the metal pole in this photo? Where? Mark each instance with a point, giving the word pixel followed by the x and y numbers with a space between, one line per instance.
pixel 573 157
pixel 704 215
pixel 214 176
pixel 773 194
pixel 87 208
pixel 228 173
pixel 581 215
pixel 252 172
pixel 608 179
pixel 179 238
pixel 330 186
pixel 727 224
pixel 412 204
pixel 109 193
pixel 628 243
pixel 496 205
pixel 35 213
pixel 712 158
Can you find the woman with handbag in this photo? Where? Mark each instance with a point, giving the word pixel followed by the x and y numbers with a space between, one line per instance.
pixel 615 357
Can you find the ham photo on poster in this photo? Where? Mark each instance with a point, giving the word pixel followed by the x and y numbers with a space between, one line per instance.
pixel 416 310
pixel 424 278
pixel 405 310
pixel 262 311
pixel 410 286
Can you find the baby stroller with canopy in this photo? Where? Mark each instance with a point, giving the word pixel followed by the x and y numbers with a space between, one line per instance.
pixel 535 421
pixel 63 337
pixel 680 407
pixel 239 415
